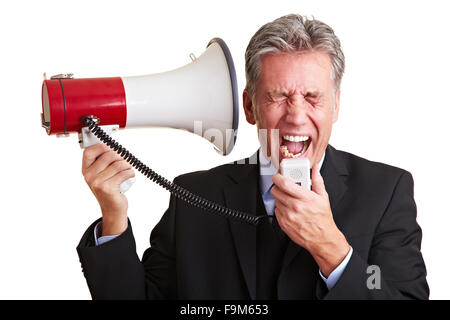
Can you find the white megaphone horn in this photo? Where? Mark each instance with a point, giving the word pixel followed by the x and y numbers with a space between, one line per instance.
pixel 201 97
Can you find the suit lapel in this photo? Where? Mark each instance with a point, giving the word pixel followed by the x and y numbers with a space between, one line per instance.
pixel 333 172
pixel 241 194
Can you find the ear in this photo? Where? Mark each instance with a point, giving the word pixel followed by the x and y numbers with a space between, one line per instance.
pixel 337 100
pixel 248 107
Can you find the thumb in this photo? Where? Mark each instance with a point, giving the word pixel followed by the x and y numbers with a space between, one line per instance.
pixel 318 185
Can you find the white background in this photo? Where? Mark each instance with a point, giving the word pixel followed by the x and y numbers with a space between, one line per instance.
pixel 394 109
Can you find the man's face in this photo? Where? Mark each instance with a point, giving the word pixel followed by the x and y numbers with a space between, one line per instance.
pixel 294 94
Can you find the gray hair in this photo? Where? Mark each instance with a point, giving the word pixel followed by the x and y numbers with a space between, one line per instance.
pixel 290 34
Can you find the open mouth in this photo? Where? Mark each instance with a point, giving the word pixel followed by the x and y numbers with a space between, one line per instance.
pixel 294 146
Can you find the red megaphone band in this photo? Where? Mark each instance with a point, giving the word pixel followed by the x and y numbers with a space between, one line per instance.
pixel 66 101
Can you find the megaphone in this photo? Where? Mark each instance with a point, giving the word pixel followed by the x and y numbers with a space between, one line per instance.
pixel 200 97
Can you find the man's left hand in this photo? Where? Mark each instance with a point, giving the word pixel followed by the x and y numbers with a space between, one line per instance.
pixel 306 218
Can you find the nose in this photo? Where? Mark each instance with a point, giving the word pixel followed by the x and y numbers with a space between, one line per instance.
pixel 296 111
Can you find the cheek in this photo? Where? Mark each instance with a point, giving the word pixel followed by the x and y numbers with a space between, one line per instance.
pixel 323 130
pixel 268 121
pixel 268 133
pixel 273 132
pixel 271 118
pixel 323 122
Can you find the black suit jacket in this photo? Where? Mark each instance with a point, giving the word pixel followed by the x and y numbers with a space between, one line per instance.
pixel 197 255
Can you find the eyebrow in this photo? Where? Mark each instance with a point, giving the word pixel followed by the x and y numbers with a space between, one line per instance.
pixel 282 93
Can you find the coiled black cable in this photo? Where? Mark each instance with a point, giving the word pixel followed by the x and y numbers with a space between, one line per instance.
pixel 176 190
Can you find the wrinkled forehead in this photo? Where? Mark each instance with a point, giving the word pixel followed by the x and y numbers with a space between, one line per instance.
pixel 288 72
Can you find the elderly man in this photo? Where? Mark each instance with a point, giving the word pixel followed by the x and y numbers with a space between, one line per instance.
pixel 354 235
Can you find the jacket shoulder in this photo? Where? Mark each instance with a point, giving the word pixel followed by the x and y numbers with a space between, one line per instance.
pixel 208 179
pixel 370 170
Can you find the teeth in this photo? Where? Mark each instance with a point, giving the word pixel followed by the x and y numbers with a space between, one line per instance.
pixel 295 138
pixel 286 153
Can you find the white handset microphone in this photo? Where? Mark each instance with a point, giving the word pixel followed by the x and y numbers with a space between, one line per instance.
pixel 298 170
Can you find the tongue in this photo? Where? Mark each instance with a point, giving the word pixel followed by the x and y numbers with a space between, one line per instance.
pixel 293 147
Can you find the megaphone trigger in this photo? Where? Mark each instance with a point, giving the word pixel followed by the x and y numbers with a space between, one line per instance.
pixel 87 139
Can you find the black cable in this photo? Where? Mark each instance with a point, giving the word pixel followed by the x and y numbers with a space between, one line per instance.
pixel 176 190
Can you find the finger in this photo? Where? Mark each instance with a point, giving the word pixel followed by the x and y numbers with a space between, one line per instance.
pixel 283 215
pixel 121 176
pixel 288 186
pixel 104 161
pixel 280 195
pixel 318 185
pixel 282 206
pixel 91 153
pixel 291 209
pixel 113 169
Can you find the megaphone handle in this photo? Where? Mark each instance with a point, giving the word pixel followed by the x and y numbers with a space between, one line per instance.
pixel 126 185
pixel 87 139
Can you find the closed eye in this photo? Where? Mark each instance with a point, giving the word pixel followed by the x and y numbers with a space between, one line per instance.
pixel 312 97
pixel 277 97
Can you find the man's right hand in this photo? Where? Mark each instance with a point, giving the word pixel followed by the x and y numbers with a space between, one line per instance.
pixel 104 170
